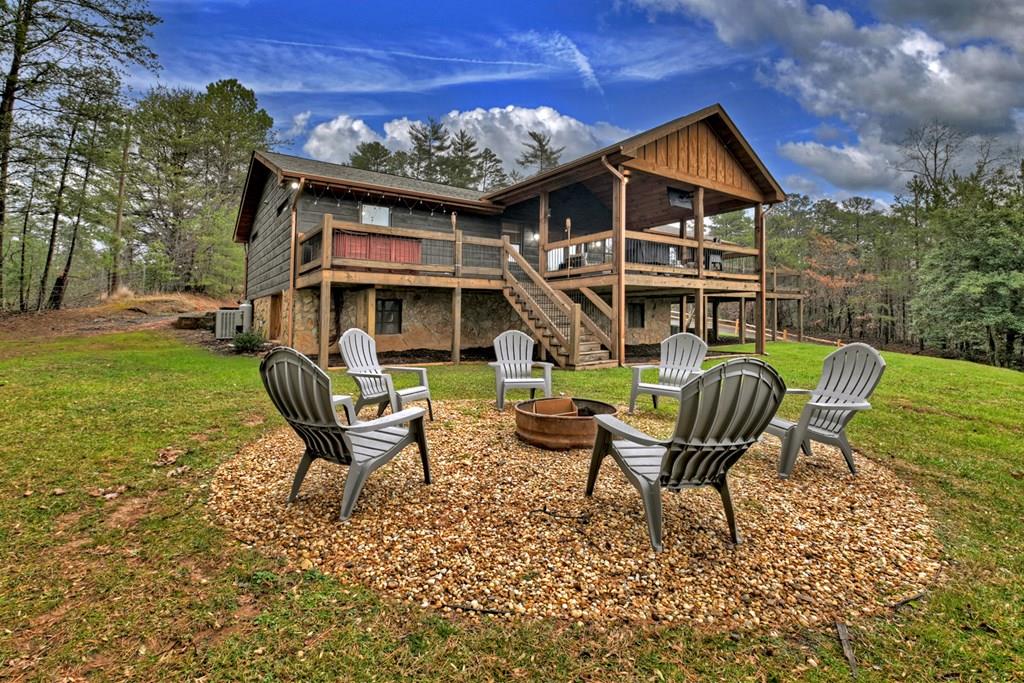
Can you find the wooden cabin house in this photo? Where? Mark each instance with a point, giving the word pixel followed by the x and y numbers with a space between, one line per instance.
pixel 587 257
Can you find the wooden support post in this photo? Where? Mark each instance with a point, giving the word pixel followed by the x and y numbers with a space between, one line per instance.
pixel 698 229
pixel 743 321
pixel 682 309
pixel 800 319
pixel 619 243
pixel 715 331
pixel 324 332
pixel 371 311
pixel 762 272
pixel 574 335
pixel 456 325
pixel 457 257
pixel 542 229
pixel 775 319
pixel 700 315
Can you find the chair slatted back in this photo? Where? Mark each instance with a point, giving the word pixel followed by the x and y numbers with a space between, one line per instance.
pixel 359 351
pixel 681 356
pixel 514 350
pixel 848 374
pixel 301 392
pixel 721 415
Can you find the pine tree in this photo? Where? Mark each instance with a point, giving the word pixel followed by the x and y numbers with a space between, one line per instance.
pixel 539 152
pixel 371 156
pixel 490 171
pixel 430 143
pixel 462 162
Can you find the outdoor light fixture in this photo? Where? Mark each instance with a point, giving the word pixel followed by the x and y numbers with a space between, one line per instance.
pixel 680 198
pixel 294 185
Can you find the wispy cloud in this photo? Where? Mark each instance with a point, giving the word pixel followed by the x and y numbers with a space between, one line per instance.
pixel 403 54
pixel 562 49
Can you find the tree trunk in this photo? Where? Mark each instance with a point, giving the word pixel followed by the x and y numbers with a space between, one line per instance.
pixel 11 83
pixel 22 280
pixel 993 356
pixel 58 205
pixel 115 274
pixel 60 285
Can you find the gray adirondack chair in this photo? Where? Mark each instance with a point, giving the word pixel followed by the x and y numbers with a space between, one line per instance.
pixel 301 391
pixel 681 358
pixel 515 364
pixel 722 412
pixel 848 378
pixel 359 351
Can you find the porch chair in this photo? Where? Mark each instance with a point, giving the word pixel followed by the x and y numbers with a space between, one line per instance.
pixel 515 364
pixel 359 351
pixel 681 358
pixel 301 391
pixel 848 378
pixel 721 414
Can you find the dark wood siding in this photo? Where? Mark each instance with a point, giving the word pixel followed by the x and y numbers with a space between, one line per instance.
pixel 269 248
pixel 313 205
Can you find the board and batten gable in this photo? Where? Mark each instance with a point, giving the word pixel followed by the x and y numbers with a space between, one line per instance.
pixel 269 242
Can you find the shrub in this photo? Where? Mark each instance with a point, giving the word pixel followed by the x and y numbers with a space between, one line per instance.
pixel 248 342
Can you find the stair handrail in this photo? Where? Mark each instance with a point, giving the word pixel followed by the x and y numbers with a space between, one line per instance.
pixel 564 340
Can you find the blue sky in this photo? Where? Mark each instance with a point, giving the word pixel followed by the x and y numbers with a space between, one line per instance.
pixel 823 92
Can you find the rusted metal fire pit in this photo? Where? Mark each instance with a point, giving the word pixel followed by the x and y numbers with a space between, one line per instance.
pixel 559 423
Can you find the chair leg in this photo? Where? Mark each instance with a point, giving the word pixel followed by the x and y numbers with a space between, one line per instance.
pixel 632 399
pixel 381 408
pixel 501 397
pixel 601 444
pixel 654 400
pixel 844 446
pixel 723 491
pixel 357 475
pixel 787 457
pixel 533 393
pixel 300 474
pixel 805 446
pixel 421 441
pixel 430 409
pixel 651 495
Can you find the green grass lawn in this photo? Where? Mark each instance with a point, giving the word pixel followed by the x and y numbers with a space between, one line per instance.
pixel 144 586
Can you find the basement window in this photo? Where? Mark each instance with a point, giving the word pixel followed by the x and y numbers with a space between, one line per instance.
pixel 635 315
pixel 389 316
pixel 373 214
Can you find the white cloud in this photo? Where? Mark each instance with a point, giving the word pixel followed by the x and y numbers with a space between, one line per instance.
pixel 300 122
pixel 503 129
pixel 561 48
pixel 335 140
pixel 877 77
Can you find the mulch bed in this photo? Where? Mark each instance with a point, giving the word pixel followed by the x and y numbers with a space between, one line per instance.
pixel 505 530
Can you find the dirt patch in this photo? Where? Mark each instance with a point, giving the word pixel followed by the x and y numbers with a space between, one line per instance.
pixel 116 315
pixel 130 511
pixel 505 529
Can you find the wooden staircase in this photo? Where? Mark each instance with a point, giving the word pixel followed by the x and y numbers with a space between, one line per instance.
pixel 571 338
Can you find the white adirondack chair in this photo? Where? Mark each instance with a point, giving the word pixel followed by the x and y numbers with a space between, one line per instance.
pixel 359 351
pixel 848 378
pixel 515 364
pixel 681 358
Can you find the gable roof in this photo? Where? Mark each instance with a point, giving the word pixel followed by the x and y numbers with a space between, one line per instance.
pixel 262 164
pixel 713 115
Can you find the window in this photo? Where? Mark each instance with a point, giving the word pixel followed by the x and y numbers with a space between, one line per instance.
pixel 389 316
pixel 635 315
pixel 371 214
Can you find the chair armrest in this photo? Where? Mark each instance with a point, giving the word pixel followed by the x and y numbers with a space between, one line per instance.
pixel 401 417
pixel 807 392
pixel 543 364
pixel 363 373
pixel 620 428
pixel 422 372
pixel 850 406
pixel 349 407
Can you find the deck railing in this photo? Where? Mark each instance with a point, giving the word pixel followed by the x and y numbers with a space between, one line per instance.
pixel 371 247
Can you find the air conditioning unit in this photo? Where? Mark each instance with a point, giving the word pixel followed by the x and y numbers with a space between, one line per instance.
pixel 231 321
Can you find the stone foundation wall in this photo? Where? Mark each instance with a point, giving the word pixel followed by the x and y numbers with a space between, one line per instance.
pixel 657 322
pixel 261 315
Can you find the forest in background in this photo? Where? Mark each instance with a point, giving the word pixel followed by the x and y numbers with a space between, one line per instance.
pixel 101 188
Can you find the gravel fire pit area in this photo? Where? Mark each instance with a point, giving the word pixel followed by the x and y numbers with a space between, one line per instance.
pixel 506 530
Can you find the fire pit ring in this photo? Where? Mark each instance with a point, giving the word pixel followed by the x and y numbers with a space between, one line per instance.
pixel 560 424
